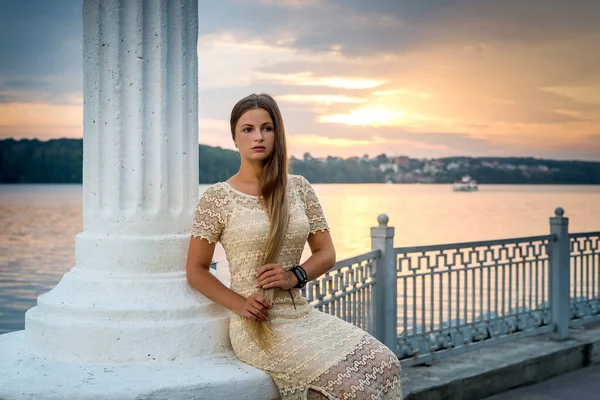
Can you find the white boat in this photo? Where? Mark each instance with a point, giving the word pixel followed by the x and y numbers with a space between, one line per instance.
pixel 466 184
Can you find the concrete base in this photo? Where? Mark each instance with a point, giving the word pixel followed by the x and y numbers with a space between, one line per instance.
pixel 24 375
pixel 492 370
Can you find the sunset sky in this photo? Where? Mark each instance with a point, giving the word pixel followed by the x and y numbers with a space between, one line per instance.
pixel 405 77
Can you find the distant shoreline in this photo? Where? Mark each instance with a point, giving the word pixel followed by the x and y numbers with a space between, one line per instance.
pixel 343 183
pixel 60 161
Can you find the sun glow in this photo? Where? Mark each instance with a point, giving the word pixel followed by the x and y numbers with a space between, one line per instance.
pixel 367 116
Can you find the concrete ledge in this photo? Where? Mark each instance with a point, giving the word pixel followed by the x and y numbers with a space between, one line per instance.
pixel 222 376
pixel 496 369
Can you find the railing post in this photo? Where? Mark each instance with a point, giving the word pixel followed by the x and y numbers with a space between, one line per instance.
pixel 385 304
pixel 560 274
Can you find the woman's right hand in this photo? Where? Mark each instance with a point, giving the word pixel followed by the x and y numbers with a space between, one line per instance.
pixel 255 307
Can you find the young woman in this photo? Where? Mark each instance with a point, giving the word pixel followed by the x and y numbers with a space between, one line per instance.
pixel 263 218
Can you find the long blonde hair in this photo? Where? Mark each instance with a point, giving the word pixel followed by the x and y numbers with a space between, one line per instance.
pixel 273 188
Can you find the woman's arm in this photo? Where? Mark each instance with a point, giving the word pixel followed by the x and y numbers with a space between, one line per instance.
pixel 200 253
pixel 321 260
pixel 323 255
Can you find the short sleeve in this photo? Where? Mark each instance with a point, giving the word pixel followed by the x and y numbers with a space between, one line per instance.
pixel 314 212
pixel 211 214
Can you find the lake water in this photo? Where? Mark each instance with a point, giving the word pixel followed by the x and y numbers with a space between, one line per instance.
pixel 39 224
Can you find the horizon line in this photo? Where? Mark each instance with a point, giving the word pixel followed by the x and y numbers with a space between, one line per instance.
pixel 292 156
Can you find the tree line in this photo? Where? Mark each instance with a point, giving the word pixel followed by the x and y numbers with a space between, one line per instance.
pixel 60 161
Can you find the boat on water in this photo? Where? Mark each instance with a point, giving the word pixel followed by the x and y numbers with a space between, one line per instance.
pixel 466 184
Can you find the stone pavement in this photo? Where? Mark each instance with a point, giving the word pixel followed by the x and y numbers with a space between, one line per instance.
pixel 494 370
pixel 583 384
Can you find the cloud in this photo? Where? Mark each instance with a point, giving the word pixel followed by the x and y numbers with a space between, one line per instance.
pixel 363 29
pixel 41 48
pixel 428 77
pixel 392 141
pixel 319 99
pixel 373 117
pixel 294 4
pixel 309 79
pixel 7 98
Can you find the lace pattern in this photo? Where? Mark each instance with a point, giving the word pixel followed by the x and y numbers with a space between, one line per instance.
pixel 311 348
pixel 370 371
pixel 211 214
pixel 314 212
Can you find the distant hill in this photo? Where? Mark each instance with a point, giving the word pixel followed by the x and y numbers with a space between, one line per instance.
pixel 60 161
pixel 35 161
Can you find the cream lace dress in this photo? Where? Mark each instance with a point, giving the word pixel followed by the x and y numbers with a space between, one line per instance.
pixel 312 350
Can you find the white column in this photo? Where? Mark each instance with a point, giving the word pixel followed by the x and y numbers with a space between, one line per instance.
pixel 127 298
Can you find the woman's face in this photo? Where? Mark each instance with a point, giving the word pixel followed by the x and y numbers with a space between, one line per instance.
pixel 255 135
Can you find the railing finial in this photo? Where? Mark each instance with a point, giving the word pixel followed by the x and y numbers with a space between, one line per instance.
pixel 559 212
pixel 383 220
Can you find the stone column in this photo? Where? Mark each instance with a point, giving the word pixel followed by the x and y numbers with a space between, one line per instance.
pixel 127 297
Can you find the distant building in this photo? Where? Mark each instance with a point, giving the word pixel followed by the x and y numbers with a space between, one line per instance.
pixel 543 168
pixel 386 166
pixel 431 169
pixel 402 161
pixel 453 166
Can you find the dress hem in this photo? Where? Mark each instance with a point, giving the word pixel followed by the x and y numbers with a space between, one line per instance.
pixel 328 367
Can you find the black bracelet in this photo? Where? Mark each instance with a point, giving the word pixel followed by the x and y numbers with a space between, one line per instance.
pixel 300 275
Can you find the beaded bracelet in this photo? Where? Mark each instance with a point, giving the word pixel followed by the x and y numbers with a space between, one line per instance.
pixel 300 275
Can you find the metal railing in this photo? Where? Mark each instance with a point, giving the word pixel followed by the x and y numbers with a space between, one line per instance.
pixel 429 302
pixel 346 290
pixel 585 277
pixel 461 295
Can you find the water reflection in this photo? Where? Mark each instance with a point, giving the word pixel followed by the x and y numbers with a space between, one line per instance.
pixel 39 224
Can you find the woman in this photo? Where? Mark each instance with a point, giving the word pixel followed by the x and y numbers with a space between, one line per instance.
pixel 263 218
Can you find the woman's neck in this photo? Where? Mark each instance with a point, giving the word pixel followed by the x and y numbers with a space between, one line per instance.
pixel 249 172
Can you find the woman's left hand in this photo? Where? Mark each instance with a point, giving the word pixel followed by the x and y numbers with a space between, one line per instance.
pixel 273 276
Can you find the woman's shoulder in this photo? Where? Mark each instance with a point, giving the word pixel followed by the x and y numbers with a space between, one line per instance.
pixel 297 180
pixel 215 190
pixel 216 187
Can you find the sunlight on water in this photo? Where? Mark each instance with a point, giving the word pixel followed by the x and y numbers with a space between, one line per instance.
pixel 39 224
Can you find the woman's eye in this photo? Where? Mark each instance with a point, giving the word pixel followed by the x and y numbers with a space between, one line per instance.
pixel 268 128
pixel 247 130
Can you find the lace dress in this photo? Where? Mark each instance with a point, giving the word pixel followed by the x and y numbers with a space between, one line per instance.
pixel 312 351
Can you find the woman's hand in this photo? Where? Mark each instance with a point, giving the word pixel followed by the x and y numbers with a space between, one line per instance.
pixel 255 307
pixel 273 276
